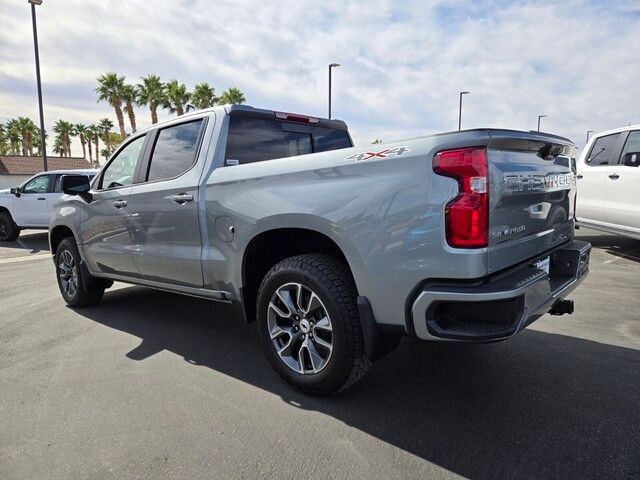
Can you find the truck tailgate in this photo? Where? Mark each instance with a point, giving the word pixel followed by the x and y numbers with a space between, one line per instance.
pixel 531 195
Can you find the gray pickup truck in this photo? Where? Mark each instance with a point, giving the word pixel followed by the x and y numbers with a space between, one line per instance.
pixel 336 251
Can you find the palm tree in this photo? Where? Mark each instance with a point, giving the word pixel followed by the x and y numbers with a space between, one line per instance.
pixel 28 131
pixel 4 143
pixel 151 92
pixel 89 135
pixel 93 131
pixel 14 136
pixel 37 141
pixel 110 89
pixel 129 97
pixel 59 147
pixel 64 130
pixel 232 95
pixel 81 131
pixel 176 97
pixel 102 130
pixel 203 96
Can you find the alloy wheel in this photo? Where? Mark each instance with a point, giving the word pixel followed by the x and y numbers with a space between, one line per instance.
pixel 68 272
pixel 300 328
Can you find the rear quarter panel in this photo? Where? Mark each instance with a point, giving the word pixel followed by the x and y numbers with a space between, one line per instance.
pixel 386 215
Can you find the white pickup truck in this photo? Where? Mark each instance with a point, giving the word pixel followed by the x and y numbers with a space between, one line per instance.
pixel 608 179
pixel 30 205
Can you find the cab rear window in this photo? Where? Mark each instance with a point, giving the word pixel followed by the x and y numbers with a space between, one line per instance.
pixel 257 139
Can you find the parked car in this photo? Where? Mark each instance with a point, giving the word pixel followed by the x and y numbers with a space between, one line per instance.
pixel 608 176
pixel 337 251
pixel 30 205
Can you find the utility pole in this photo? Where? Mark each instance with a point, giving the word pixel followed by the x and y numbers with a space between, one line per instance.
pixel 460 110
pixel 35 46
pixel 331 65
pixel 539 117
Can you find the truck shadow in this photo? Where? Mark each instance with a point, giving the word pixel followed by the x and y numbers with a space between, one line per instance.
pixel 541 405
pixel 32 241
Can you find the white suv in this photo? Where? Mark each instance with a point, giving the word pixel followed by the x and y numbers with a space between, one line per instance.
pixel 609 181
pixel 31 204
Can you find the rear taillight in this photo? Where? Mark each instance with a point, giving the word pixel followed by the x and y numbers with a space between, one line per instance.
pixel 467 215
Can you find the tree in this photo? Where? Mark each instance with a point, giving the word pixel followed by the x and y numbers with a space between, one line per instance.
pixel 37 141
pixel 4 143
pixel 59 147
pixel 233 96
pixel 28 131
pixel 151 92
pixel 377 140
pixel 64 130
pixel 176 97
pixel 14 136
pixel 111 140
pixel 92 136
pixel 129 97
pixel 203 96
pixel 110 89
pixel 81 131
pixel 89 134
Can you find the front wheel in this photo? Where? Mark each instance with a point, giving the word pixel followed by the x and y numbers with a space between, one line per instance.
pixel 309 324
pixel 9 231
pixel 70 277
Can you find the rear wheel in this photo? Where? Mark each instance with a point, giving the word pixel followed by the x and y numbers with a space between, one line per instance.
pixel 309 324
pixel 9 231
pixel 71 279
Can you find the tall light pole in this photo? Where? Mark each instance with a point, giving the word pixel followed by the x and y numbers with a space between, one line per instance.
pixel 35 46
pixel 539 117
pixel 331 65
pixel 460 110
pixel 588 132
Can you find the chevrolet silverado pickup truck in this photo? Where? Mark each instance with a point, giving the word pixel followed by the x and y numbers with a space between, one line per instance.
pixel 336 251
pixel 608 175
pixel 30 205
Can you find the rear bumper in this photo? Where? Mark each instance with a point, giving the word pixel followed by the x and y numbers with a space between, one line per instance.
pixel 500 307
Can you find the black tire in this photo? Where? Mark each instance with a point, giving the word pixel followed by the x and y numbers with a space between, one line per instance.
pixel 333 284
pixel 80 296
pixel 9 231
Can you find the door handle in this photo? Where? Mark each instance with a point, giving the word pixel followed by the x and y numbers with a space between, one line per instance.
pixel 120 203
pixel 41 198
pixel 579 176
pixel 614 176
pixel 181 198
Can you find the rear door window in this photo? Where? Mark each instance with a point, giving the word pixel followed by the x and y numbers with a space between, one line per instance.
pixel 175 150
pixel 603 151
pixel 632 145
pixel 257 139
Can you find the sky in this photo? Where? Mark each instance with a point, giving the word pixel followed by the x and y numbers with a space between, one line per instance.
pixel 403 63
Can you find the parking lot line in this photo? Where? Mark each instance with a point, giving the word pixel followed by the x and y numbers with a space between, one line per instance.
pixel 35 256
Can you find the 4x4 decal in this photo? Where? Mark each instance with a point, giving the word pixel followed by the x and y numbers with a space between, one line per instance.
pixel 388 152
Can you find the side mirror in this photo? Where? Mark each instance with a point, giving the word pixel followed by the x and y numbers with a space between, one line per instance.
pixel 631 159
pixel 16 191
pixel 76 185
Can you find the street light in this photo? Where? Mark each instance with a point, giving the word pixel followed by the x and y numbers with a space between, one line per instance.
pixel 35 47
pixel 539 117
pixel 331 65
pixel 588 132
pixel 460 110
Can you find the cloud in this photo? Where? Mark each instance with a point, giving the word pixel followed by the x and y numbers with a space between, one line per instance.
pixel 403 63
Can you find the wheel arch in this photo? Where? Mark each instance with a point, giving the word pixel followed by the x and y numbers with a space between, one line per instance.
pixel 270 246
pixel 57 234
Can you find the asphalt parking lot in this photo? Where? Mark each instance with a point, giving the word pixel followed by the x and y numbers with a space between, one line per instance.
pixel 155 385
